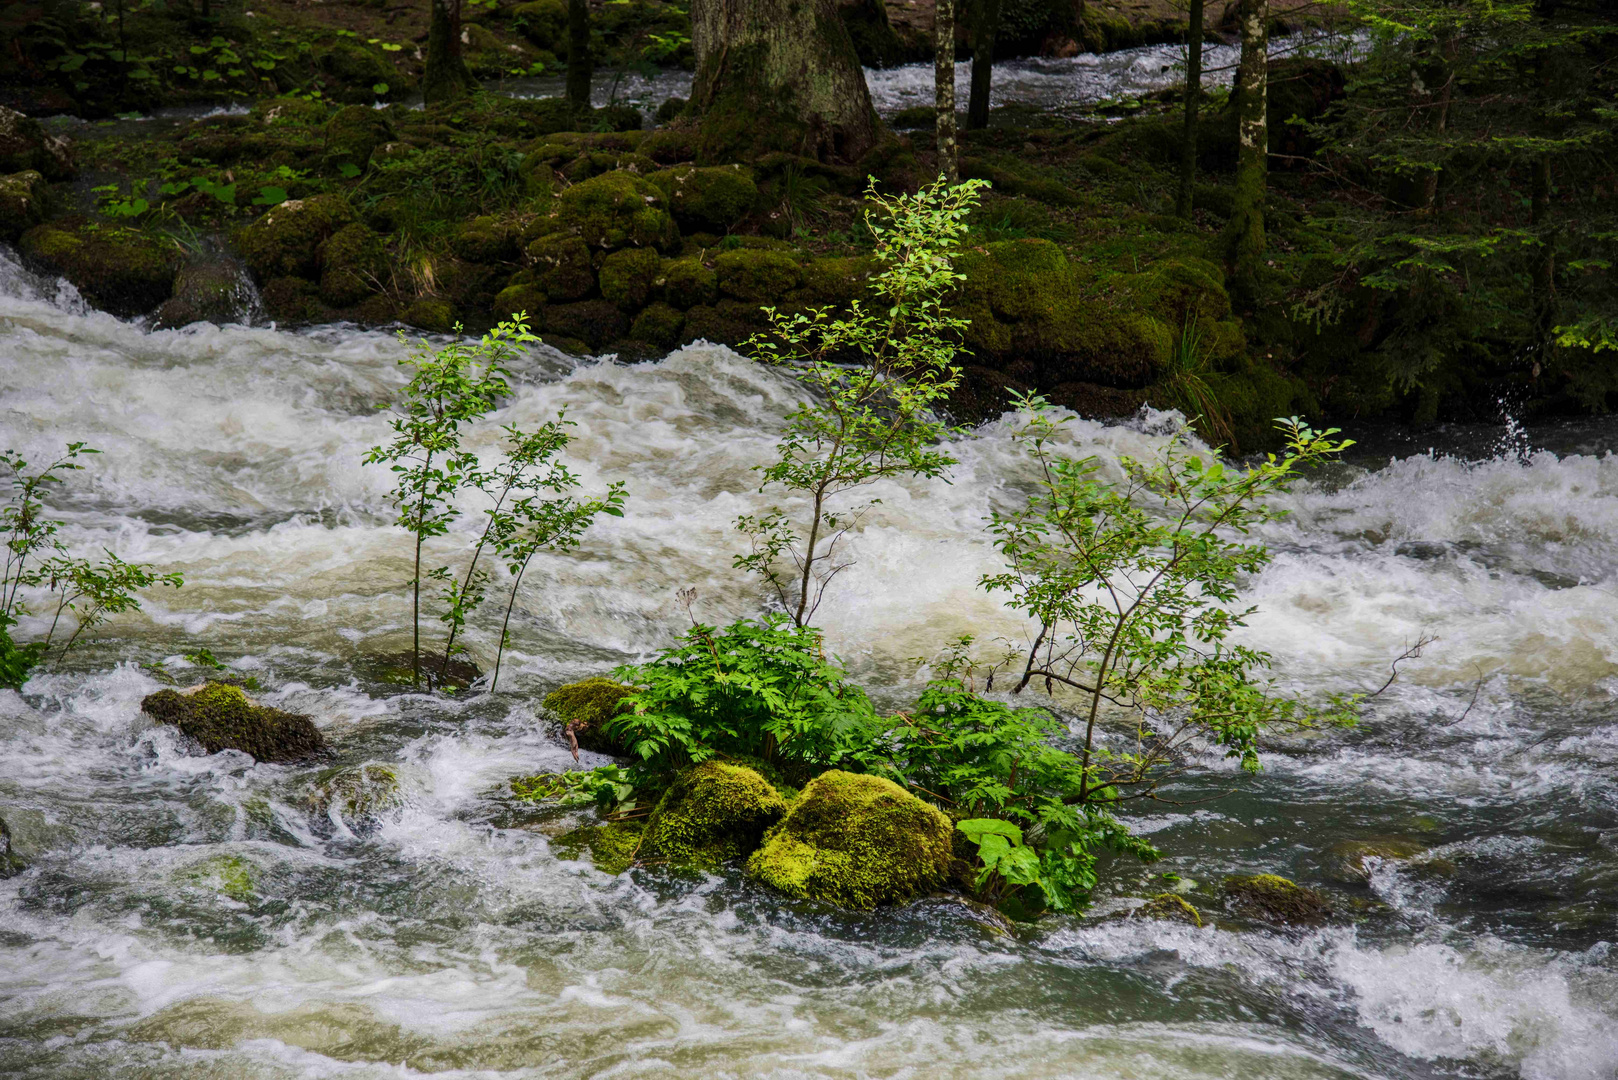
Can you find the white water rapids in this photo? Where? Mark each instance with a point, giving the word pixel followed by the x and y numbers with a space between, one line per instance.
pixel 453 941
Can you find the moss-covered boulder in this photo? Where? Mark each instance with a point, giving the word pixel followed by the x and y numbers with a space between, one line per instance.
pixel 353 265
pixel 618 209
pixel 23 199
pixel 1273 899
pixel 757 276
pixel 353 134
pixel 707 199
pixel 523 299
pixel 1170 907
pixel 286 241
pixel 586 708
pixel 858 841
pixel 562 267
pixel 1177 289
pixel 221 717
pixel 612 847
pixel 124 271
pixel 1351 861
pixel 228 875
pixel 658 325
pixel 292 301
pixel 430 314
pixel 543 23
pixel 351 73
pixel 289 112
pixel 205 290
pixel 713 814
pixel 834 281
pixel 359 793
pixel 594 322
pixel 685 283
pixel 627 276
pixel 484 240
pixel 25 147
pixel 728 322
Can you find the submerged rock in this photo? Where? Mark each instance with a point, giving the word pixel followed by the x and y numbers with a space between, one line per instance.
pixel 714 813
pixel 358 793
pixel 1273 899
pixel 1170 907
pixel 858 841
pixel 229 875
pixel 612 847
pixel 585 709
pixel 221 717
pixel 1351 861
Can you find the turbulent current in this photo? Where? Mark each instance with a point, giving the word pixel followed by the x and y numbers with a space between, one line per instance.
pixel 185 915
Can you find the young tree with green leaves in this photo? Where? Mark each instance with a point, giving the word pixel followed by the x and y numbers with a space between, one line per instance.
pixel 875 376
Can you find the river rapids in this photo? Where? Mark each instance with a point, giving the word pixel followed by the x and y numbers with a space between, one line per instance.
pixel 189 916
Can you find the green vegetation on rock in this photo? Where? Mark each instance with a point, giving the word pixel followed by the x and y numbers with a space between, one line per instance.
pixel 618 209
pixel 122 270
pixel 712 814
pixel 1170 907
pixel 221 717
pixel 586 708
pixel 1274 899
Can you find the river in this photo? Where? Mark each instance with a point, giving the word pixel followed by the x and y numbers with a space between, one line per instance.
pixel 192 916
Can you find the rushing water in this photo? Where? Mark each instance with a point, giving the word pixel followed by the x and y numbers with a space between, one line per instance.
pixel 451 939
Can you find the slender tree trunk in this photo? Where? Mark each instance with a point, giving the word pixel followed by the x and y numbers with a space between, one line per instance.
pixel 1545 263
pixel 1193 102
pixel 445 77
pixel 580 68
pixel 986 27
pixel 1245 233
pixel 778 76
pixel 944 87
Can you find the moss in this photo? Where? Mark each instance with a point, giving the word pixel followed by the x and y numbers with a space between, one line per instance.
pixel 1181 287
pixel 729 322
pixel 627 276
pixel 759 276
pixel 594 322
pixel 612 847
pixel 286 241
pixel 124 271
pixel 834 281
pixel 229 875
pixel 586 707
pixel 712 814
pixel 670 146
pixel 351 70
pixel 858 841
pixel 204 291
pixel 1254 396
pixel 353 133
pixel 25 146
pixel 23 199
pixel 353 265
pixel 515 300
pixel 1170 907
pixel 544 23
pixel 658 325
pixel 289 112
pixel 562 267
pixel 983 394
pixel 220 717
pixel 293 301
pixel 376 309
pixel 484 240
pixel 707 199
pixel 1352 861
pixel 685 283
pixel 433 315
pixel 618 209
pixel 1270 898
pixel 357 793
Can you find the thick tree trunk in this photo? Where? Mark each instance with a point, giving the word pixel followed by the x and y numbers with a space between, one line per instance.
pixel 985 28
pixel 782 76
pixel 1193 102
pixel 1245 233
pixel 944 87
pixel 580 68
pixel 445 77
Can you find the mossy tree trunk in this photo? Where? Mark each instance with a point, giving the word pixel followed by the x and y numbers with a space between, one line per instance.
pixel 985 28
pixel 779 76
pixel 580 68
pixel 445 76
pixel 1244 236
pixel 944 87
pixel 1193 102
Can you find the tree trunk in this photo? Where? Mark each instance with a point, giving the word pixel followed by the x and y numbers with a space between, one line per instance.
pixel 445 77
pixel 985 28
pixel 580 68
pixel 1545 257
pixel 944 87
pixel 1193 101
pixel 774 76
pixel 1245 233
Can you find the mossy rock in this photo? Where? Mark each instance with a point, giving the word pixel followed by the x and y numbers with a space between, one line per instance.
pixel 24 197
pixel 984 394
pixel 712 814
pixel 612 847
pixel 728 322
pixel 430 314
pixel 627 276
pixel 289 112
pixel 587 707
pixel 857 841
pixel 353 265
pixel 618 209
pixel 544 23
pixel 358 793
pixel 658 325
pixel 352 70
pixel 24 147
pixel 834 281
pixel 221 717
pixel 1273 899
pixel 375 310
pixel 293 301
pixel 353 134
pixel 286 241
pixel 228 875
pixel 1170 907
pixel 759 276
pixel 712 199
pixel 209 290
pixel 671 146
pixel 484 240
pixel 594 322
pixel 562 267
pixel 1181 288
pixel 685 283
pixel 1351 861
pixel 520 300
pixel 123 271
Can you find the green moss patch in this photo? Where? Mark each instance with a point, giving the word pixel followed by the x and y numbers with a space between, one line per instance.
pixel 618 209
pixel 1170 907
pixel 1273 899
pixel 220 717
pixel 707 199
pixel 712 814
pixel 286 241
pixel 612 847
pixel 124 271
pixel 586 708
